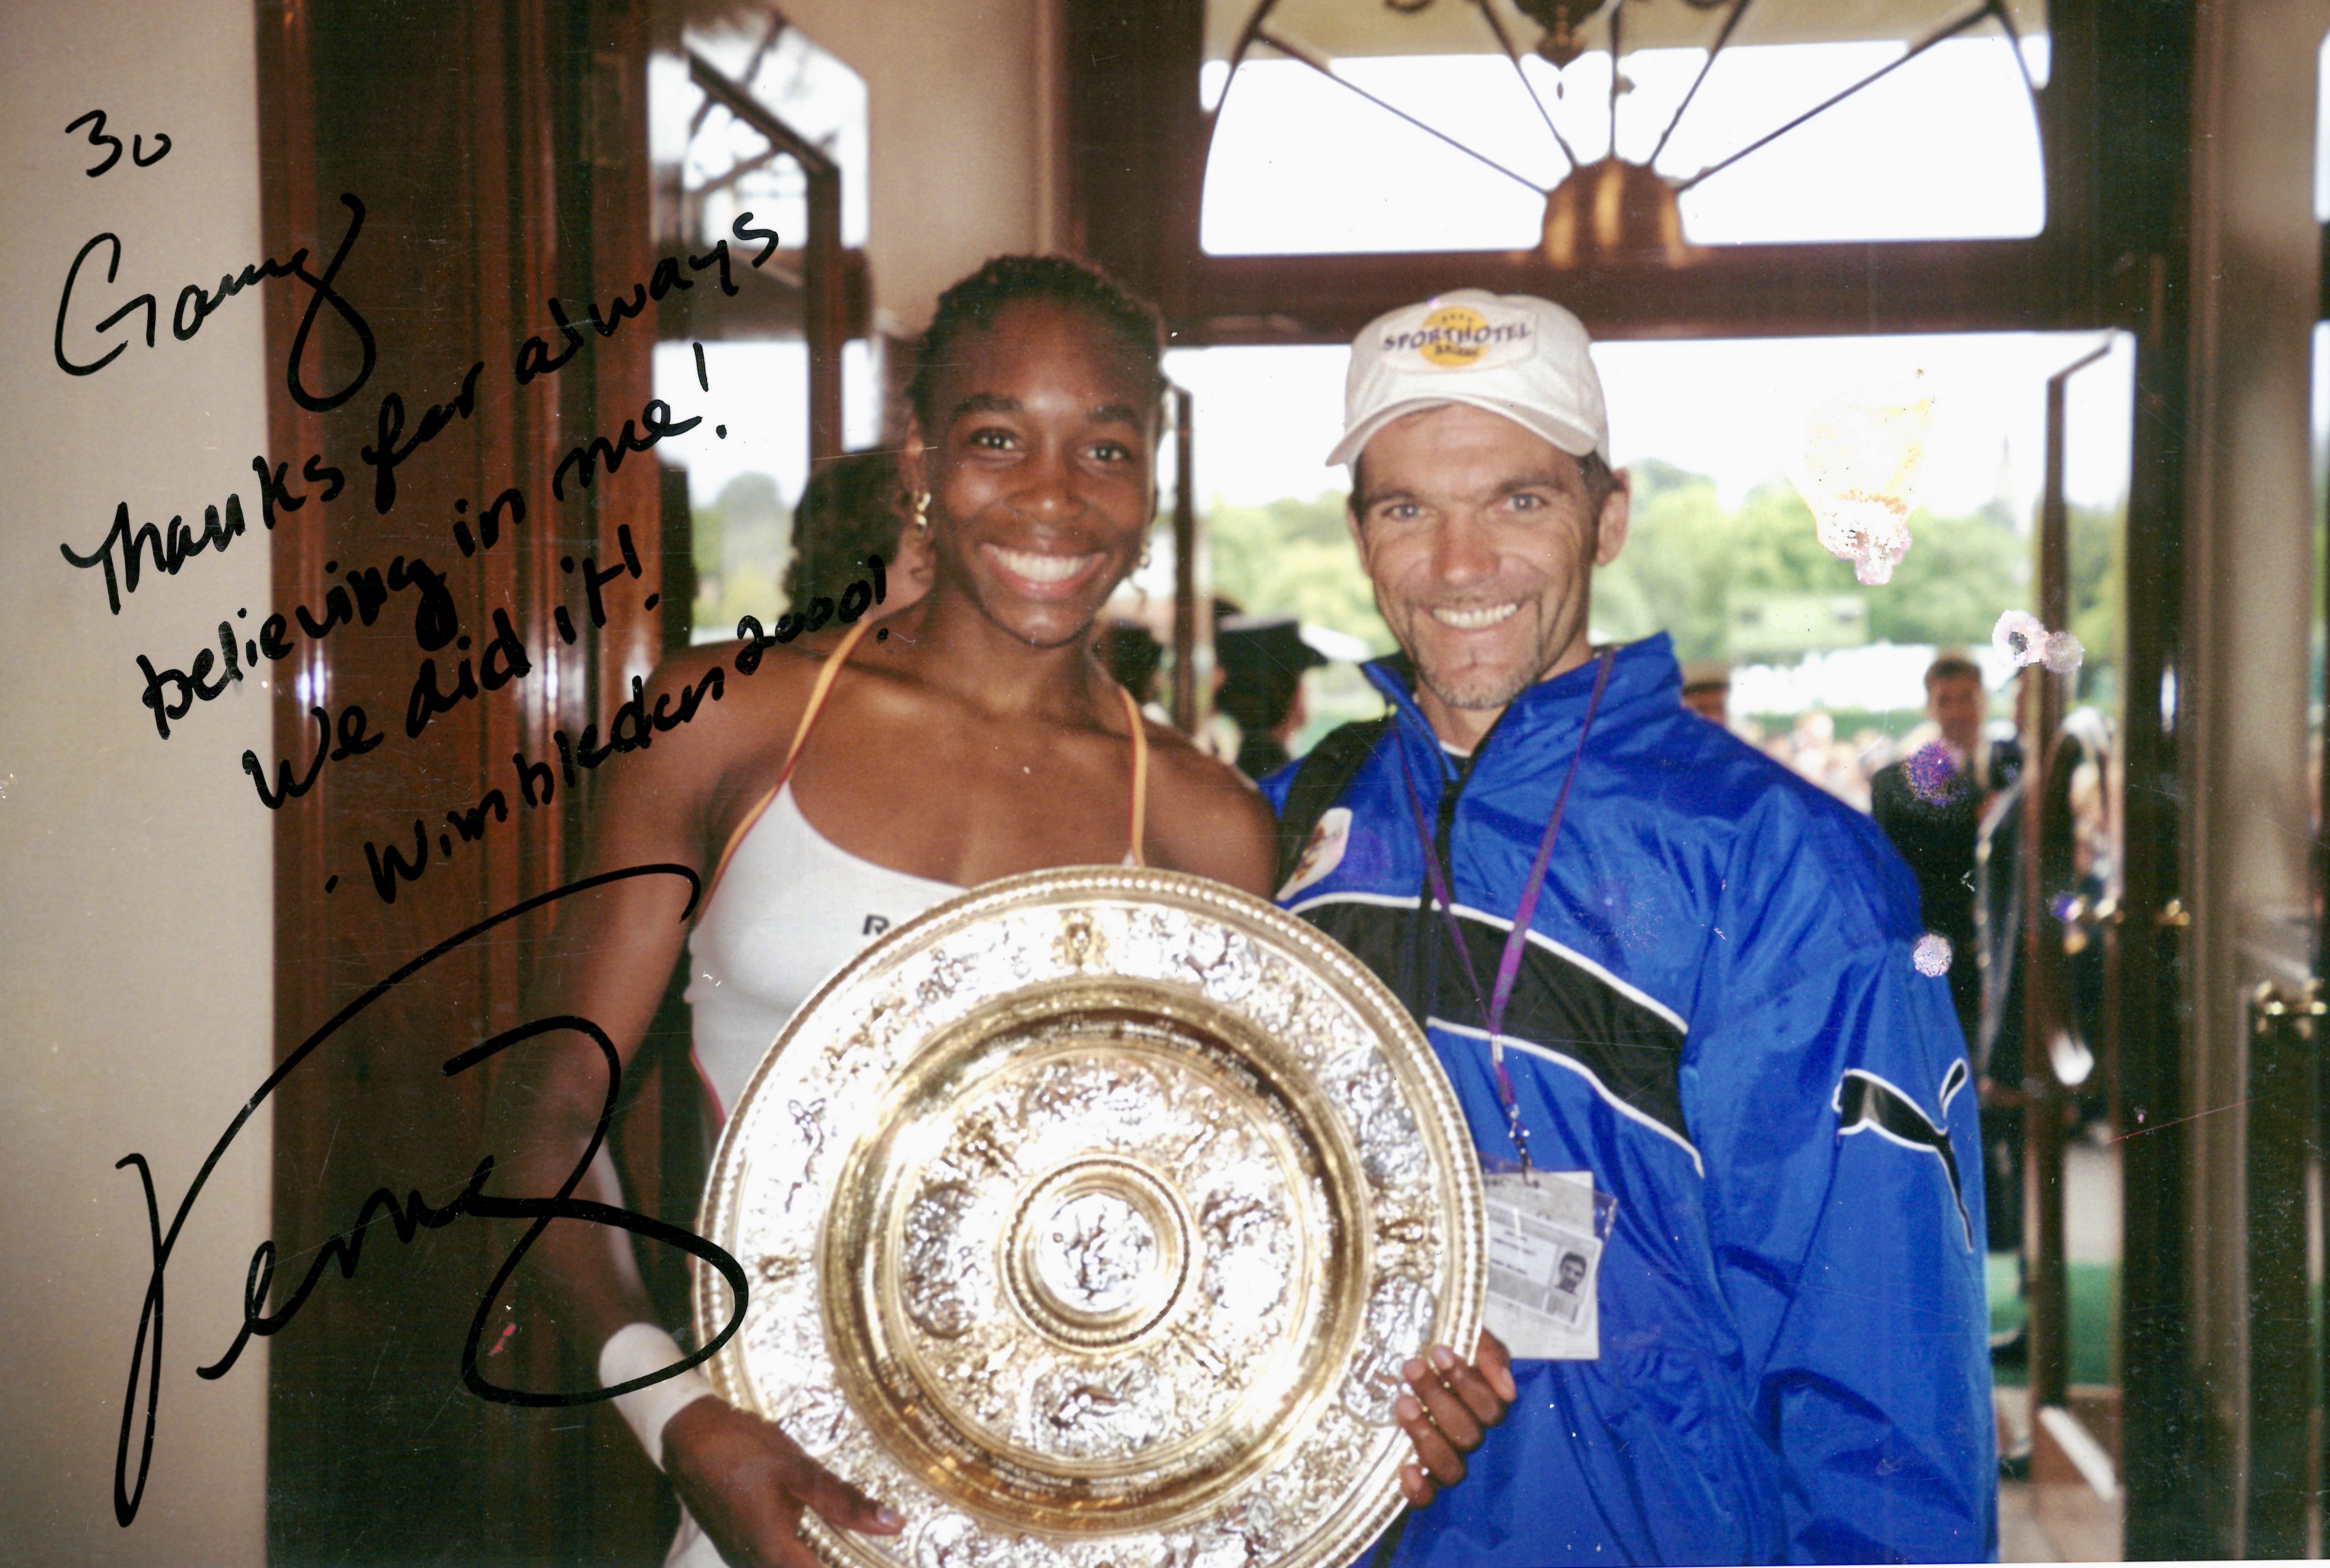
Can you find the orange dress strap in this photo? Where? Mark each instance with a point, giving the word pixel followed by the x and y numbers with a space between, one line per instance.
pixel 1139 777
pixel 817 695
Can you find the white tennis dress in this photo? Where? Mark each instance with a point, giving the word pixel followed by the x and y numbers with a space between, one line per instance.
pixel 791 909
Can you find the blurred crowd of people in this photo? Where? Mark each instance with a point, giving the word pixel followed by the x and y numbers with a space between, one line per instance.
pixel 1847 766
pixel 1259 701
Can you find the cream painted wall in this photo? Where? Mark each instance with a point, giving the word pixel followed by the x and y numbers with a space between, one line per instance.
pixel 135 946
pixel 961 130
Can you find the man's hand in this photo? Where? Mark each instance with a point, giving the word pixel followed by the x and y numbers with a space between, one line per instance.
pixel 1454 1404
pixel 747 1483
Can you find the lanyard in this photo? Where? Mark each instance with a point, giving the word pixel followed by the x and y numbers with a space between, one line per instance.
pixel 1509 965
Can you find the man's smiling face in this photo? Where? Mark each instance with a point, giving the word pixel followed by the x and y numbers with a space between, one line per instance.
pixel 1481 538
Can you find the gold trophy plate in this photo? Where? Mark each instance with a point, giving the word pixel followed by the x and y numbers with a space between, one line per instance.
pixel 1090 1217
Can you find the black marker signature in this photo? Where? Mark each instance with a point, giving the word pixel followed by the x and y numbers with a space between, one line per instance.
pixel 145 1351
pixel 231 284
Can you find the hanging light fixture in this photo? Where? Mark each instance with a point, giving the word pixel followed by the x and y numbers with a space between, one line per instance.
pixel 1611 211
pixel 1561 45
pixel 1615 212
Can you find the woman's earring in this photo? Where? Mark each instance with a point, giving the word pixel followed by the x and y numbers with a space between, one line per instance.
pixel 923 510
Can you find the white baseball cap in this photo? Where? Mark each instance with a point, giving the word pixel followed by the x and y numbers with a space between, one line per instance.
pixel 1510 353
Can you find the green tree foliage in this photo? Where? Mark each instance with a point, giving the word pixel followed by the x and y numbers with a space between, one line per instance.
pixel 741 541
pixel 1296 558
pixel 1957 579
pixel 1685 555
pixel 2098 598
pixel 1670 576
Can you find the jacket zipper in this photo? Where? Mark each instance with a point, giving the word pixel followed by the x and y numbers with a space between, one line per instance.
pixel 1429 937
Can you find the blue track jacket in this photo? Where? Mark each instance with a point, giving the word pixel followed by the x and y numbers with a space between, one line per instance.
pixel 1719 1017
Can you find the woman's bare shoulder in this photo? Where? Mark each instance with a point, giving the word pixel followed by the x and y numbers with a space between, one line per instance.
pixel 710 716
pixel 1207 817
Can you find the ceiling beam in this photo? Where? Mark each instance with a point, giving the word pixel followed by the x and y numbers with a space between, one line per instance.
pixel 1747 290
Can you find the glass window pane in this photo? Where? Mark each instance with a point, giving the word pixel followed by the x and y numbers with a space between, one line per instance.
pixel 1943 146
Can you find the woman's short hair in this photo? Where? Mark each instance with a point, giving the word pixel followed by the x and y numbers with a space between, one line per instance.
pixel 852 508
pixel 980 298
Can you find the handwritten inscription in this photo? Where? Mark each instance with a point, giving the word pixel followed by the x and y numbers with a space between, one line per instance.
pixel 355 741
pixel 584 459
pixel 322 290
pixel 856 600
pixel 345 1250
pixel 119 552
pixel 130 550
pixel 95 120
pixel 634 727
pixel 103 312
pixel 169 551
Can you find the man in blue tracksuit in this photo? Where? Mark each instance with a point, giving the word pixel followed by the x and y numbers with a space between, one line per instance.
pixel 1742 1278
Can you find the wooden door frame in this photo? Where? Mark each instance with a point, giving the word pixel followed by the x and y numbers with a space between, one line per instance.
pixel 552 197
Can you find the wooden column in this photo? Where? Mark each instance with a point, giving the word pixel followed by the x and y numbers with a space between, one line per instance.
pixel 498 151
pixel 1193 579
pixel 2046 1010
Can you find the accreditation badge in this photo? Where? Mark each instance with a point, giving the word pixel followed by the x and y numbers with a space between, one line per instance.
pixel 1545 1239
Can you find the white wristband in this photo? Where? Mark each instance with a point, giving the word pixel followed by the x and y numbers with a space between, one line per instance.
pixel 639 1350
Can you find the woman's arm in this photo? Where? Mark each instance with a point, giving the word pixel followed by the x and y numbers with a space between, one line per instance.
pixel 607 960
